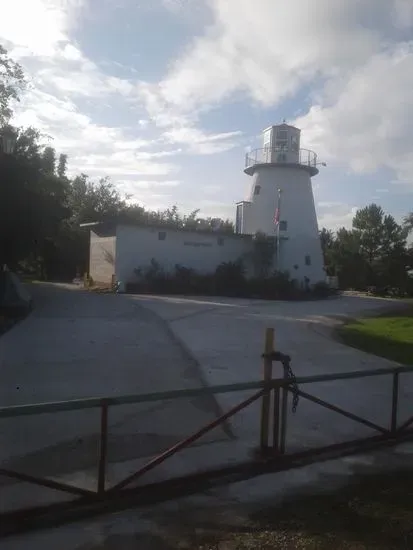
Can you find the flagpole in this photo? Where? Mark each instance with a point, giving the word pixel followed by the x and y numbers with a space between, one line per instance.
pixel 278 230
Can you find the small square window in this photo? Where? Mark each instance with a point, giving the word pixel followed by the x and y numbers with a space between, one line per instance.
pixel 308 260
pixel 283 225
pixel 162 235
pixel 257 189
pixel 220 241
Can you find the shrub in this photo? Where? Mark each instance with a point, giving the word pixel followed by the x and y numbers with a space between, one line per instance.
pixel 321 290
pixel 183 280
pixel 230 278
pixel 277 286
pixel 152 278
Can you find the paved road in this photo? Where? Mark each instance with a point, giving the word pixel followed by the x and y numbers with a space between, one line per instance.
pixel 77 345
pixel 227 335
pixel 226 338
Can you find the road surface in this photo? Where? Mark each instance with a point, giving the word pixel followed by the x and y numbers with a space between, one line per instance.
pixel 76 345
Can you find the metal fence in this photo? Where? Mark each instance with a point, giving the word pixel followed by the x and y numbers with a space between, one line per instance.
pixel 272 455
pixel 269 155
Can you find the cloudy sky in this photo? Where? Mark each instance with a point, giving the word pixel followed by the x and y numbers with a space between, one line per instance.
pixel 165 96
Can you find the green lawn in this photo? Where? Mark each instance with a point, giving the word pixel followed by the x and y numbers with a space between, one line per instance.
pixel 389 336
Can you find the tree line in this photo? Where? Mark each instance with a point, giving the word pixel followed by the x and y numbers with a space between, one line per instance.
pixel 373 253
pixel 41 208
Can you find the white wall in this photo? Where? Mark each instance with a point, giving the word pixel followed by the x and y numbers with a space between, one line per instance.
pixel 136 246
pixel 297 209
pixel 102 257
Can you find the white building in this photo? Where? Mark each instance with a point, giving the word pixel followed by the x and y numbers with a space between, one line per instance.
pixel 119 250
pixel 281 202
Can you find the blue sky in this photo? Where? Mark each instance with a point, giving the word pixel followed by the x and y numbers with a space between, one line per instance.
pixel 164 96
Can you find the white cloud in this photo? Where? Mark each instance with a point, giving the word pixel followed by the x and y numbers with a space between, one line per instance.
pixel 350 52
pixel 95 149
pixel 368 125
pixel 153 194
pixel 38 26
pixel 201 143
pixel 335 215
pixel 328 204
pixel 270 50
pixel 60 75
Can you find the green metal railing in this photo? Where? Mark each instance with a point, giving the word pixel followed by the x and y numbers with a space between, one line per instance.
pixel 272 443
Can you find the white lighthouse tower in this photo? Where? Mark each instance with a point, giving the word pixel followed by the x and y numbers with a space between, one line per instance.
pixel 281 202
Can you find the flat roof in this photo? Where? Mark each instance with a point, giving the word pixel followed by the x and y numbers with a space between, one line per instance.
pixel 110 227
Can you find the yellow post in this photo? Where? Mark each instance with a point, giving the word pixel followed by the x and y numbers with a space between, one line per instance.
pixel 266 398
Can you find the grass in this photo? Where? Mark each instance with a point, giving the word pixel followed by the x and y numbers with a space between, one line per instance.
pixel 372 513
pixel 389 336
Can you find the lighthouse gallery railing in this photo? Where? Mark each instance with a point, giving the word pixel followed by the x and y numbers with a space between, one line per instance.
pixel 268 155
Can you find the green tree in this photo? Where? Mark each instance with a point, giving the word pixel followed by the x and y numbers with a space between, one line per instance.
pixel 373 253
pixel 61 168
pixel 350 264
pixel 378 233
pixel 408 222
pixel 262 255
pixel 12 82
pixel 33 202
pixel 49 160
pixel 94 201
pixel 327 239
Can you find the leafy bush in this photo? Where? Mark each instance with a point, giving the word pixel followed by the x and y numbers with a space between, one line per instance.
pixel 183 280
pixel 322 290
pixel 228 280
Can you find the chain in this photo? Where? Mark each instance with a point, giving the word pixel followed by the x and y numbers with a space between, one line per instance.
pixel 288 372
pixel 285 360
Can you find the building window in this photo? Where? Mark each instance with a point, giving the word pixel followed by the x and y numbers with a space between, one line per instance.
pixel 220 241
pixel 281 143
pixel 257 189
pixel 308 260
pixel 162 235
pixel 294 144
pixel 283 225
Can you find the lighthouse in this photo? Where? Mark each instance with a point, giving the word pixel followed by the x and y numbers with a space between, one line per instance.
pixel 281 203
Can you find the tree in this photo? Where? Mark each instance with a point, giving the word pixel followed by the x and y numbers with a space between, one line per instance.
pixel 379 234
pixel 350 264
pixel 49 160
pixel 262 255
pixel 12 82
pixel 408 222
pixel 372 253
pixel 61 168
pixel 33 201
pixel 327 239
